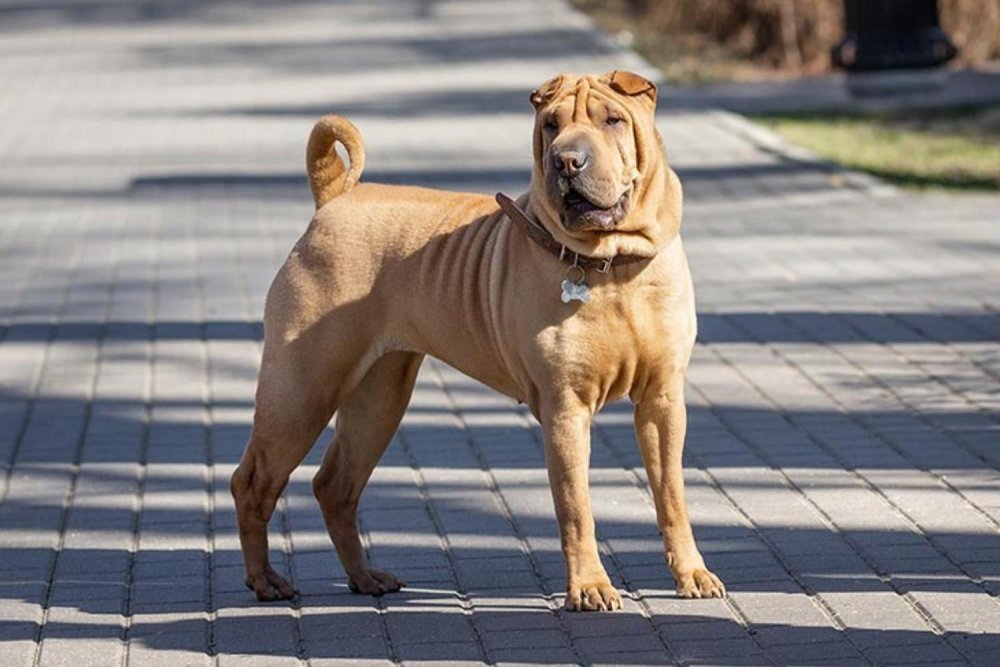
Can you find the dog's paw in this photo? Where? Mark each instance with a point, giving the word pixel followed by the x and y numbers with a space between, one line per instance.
pixel 699 583
pixel 376 582
pixel 593 596
pixel 269 586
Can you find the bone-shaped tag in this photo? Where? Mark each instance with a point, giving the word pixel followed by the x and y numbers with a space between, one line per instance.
pixel 572 291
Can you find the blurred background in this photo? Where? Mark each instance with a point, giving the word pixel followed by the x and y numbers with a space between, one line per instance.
pixel 772 60
pixel 711 40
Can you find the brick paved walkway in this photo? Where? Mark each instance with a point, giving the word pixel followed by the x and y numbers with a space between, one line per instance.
pixel 844 446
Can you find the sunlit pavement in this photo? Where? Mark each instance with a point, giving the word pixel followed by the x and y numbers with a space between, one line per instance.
pixel 844 445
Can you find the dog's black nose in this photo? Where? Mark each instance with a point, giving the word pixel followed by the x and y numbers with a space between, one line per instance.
pixel 571 161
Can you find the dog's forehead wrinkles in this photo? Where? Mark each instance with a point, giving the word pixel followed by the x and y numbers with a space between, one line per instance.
pixel 580 108
pixel 583 92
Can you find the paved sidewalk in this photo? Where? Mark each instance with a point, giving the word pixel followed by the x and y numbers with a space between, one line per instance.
pixel 962 88
pixel 844 435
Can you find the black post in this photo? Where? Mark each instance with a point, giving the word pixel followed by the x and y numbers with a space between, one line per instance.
pixel 892 35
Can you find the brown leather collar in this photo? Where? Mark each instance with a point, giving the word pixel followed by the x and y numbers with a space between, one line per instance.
pixel 542 237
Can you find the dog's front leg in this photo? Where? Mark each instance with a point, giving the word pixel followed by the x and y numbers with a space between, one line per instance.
pixel 660 426
pixel 567 455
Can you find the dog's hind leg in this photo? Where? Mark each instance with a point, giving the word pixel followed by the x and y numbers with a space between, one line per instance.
pixel 287 420
pixel 365 425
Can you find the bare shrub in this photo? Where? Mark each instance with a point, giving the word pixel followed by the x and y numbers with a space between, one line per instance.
pixel 798 34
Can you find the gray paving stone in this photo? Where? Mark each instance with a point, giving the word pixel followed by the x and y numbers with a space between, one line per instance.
pixel 140 654
pixel 628 622
pixel 511 613
pixel 773 636
pixel 618 645
pixel 634 658
pixel 354 623
pixel 709 649
pixel 77 650
pixel 912 654
pixel 819 653
pixel 350 662
pixel 19 631
pixel 353 648
pixel 445 652
pixel 429 627
pixel 705 629
pixel 244 659
pixel 547 656
pixel 524 638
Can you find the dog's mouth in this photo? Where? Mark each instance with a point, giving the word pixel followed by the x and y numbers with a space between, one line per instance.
pixel 583 214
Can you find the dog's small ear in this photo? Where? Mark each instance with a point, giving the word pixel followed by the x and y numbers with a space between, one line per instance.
pixel 544 92
pixel 632 85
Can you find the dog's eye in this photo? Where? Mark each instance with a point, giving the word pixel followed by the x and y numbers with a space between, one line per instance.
pixel 551 123
pixel 614 120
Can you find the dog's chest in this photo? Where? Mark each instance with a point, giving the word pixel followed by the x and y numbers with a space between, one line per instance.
pixel 619 339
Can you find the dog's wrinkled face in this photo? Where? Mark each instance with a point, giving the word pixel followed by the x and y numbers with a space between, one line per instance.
pixel 589 156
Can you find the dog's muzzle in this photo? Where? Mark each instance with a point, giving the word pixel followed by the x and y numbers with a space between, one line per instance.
pixel 580 213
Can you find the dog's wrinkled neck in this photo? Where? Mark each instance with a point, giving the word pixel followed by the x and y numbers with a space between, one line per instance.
pixel 540 235
pixel 644 232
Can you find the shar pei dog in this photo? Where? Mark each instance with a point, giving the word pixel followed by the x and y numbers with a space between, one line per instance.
pixel 575 294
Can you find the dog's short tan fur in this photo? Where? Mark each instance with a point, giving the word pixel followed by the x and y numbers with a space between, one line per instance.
pixel 385 275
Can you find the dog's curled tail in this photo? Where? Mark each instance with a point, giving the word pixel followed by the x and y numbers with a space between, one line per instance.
pixel 328 176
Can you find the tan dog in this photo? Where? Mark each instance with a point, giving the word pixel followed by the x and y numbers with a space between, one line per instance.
pixel 385 275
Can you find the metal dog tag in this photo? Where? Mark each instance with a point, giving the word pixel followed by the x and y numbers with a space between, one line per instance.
pixel 575 290
pixel 572 291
